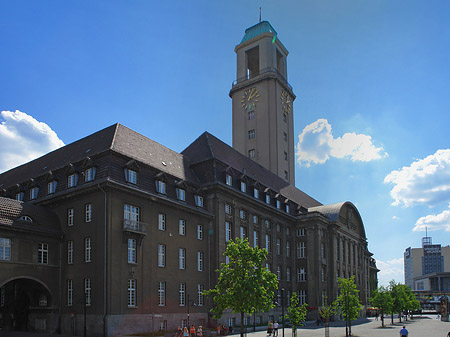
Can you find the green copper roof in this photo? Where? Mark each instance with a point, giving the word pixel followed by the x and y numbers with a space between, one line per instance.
pixel 258 29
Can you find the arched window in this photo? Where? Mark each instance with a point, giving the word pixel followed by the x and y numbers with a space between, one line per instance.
pixel 26 218
pixel 43 300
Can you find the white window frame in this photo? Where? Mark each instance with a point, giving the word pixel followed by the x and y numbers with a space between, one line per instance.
pixel 69 293
pixel 243 187
pixel 161 221
pixel 288 249
pixel 34 192
pixel 198 200
pixel 89 174
pixel 72 180
pixel 19 196
pixel 162 294
pixel 199 232
pixel 181 194
pixel 161 255
pixel 251 134
pixel 255 219
pixel 255 193
pixel 300 232
pixel 5 249
pixel 181 258
pixel 161 187
pixel 70 252
pixel 251 153
pixel 182 227
pixel 243 232
pixel 200 297
pixel 255 238
pixel 88 212
pixel 228 209
pixel 278 204
pixel 131 176
pixel 88 291
pixel 287 208
pixel 182 294
pixel 279 273
pixel 288 274
pixel 229 180
pixel 51 187
pixel 268 243
pixel 268 199
pixel 70 216
pixel 301 275
pixel 131 293
pixel 278 244
pixel 199 261
pixel 87 249
pixel 132 258
pixel 242 214
pixel 228 231
pixel 301 249
pixel 43 253
pixel 301 297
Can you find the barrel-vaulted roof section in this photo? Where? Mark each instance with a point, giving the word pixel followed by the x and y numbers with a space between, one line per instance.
pixel 258 29
pixel 207 147
pixel 117 138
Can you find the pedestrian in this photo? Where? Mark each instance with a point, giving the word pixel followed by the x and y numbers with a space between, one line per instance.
pixel 376 316
pixel 192 330
pixel 269 328
pixel 185 332
pixel 218 330
pixel 179 332
pixel 403 332
pixel 448 335
pixel 275 328
pixel 200 331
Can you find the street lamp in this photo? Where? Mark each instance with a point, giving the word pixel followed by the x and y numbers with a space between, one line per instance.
pixel 282 307
pixel 188 303
pixel 84 302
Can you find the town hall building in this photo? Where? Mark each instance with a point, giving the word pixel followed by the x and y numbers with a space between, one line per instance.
pixel 130 233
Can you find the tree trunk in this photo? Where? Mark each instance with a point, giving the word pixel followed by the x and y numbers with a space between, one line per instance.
pixel 392 317
pixel 242 324
pixel 349 327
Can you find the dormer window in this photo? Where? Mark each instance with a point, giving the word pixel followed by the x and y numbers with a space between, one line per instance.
pixel 34 193
pixel 72 180
pixel 131 176
pixel 89 174
pixel 287 208
pixel 267 199
pixel 278 204
pixel 243 187
pixel 19 196
pixel 256 193
pixel 161 187
pixel 51 187
pixel 181 194
pixel 25 218
pixel 229 180
pixel 198 201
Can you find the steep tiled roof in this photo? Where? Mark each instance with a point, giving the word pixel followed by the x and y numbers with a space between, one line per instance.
pixel 43 219
pixel 116 137
pixel 208 147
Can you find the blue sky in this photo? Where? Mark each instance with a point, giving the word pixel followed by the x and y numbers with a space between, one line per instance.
pixel 371 79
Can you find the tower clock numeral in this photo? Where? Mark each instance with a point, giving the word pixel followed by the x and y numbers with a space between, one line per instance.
pixel 250 98
pixel 286 102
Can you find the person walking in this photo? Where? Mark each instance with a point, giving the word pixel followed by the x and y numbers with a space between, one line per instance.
pixel 192 331
pixel 269 328
pixel 275 329
pixel 179 332
pixel 185 332
pixel 200 331
pixel 404 332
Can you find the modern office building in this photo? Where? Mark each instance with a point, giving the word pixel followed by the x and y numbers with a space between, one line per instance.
pixel 130 233
pixel 424 263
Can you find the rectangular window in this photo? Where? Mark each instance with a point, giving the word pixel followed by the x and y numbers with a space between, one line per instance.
pixel 87 250
pixel 5 249
pixel 200 300
pixel 251 134
pixel 255 239
pixel 287 208
pixel 227 231
pixel 256 193
pixel 163 325
pixel 131 293
pixel 43 253
pixel 229 180
pixel 285 155
pixel 268 243
pixel 278 227
pixel 285 136
pixel 161 255
pixel 69 293
pixel 199 232
pixel 69 252
pixel 243 187
pixel 251 115
pixel 161 222
pixel 255 220
pixel 19 196
pixel 301 297
pixel 87 290
pixel 198 201
pixel 228 209
pixel 323 274
pixel 182 295
pixel 267 199
pixel 278 204
pixel 88 213
pixel 70 214
pixel 131 250
pixel 301 232
pixel 51 187
pixel 34 193
pixel 242 214
pixel 160 186
pixel 300 250
pixel 279 273
pixel 131 176
pixel 301 275
pixel 288 274
pixel 251 153
pixel 162 294
pixel 181 194
pixel 89 174
pixel 181 258
pixel 243 232
pixel 72 180
pixel 182 227
pixel 284 117
pixel 199 261
pixel 278 246
pixel 288 249
pixel 131 215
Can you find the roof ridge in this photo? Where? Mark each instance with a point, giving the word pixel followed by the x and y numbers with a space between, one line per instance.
pixel 114 137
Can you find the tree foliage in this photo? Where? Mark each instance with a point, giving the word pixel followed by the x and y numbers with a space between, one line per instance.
pixel 244 285
pixel 296 313
pixel 347 301
pixel 382 299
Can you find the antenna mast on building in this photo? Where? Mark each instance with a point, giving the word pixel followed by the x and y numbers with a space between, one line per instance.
pixel 259 14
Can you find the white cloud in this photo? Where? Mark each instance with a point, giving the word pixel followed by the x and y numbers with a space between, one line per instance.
pixel 434 222
pixel 23 138
pixel 426 181
pixel 390 270
pixel 395 217
pixel 316 145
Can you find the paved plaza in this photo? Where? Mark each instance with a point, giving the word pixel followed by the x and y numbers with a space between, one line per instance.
pixel 422 326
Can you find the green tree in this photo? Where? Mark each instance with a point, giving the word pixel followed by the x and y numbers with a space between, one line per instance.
pixel 381 299
pixel 399 297
pixel 412 302
pixel 326 311
pixel 296 313
pixel 244 285
pixel 347 302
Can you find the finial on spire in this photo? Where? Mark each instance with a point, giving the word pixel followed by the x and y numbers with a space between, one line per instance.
pixel 259 14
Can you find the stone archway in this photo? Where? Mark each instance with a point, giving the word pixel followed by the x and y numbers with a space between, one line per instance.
pixel 26 306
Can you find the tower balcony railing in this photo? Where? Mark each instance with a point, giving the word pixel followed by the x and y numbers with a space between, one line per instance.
pixel 262 72
pixel 134 226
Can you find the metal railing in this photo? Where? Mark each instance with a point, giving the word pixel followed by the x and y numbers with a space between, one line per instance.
pixel 262 72
pixel 134 226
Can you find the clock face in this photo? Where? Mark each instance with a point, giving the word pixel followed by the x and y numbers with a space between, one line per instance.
pixel 249 99
pixel 286 101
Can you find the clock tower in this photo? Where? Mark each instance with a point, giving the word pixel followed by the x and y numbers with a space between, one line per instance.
pixel 262 101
